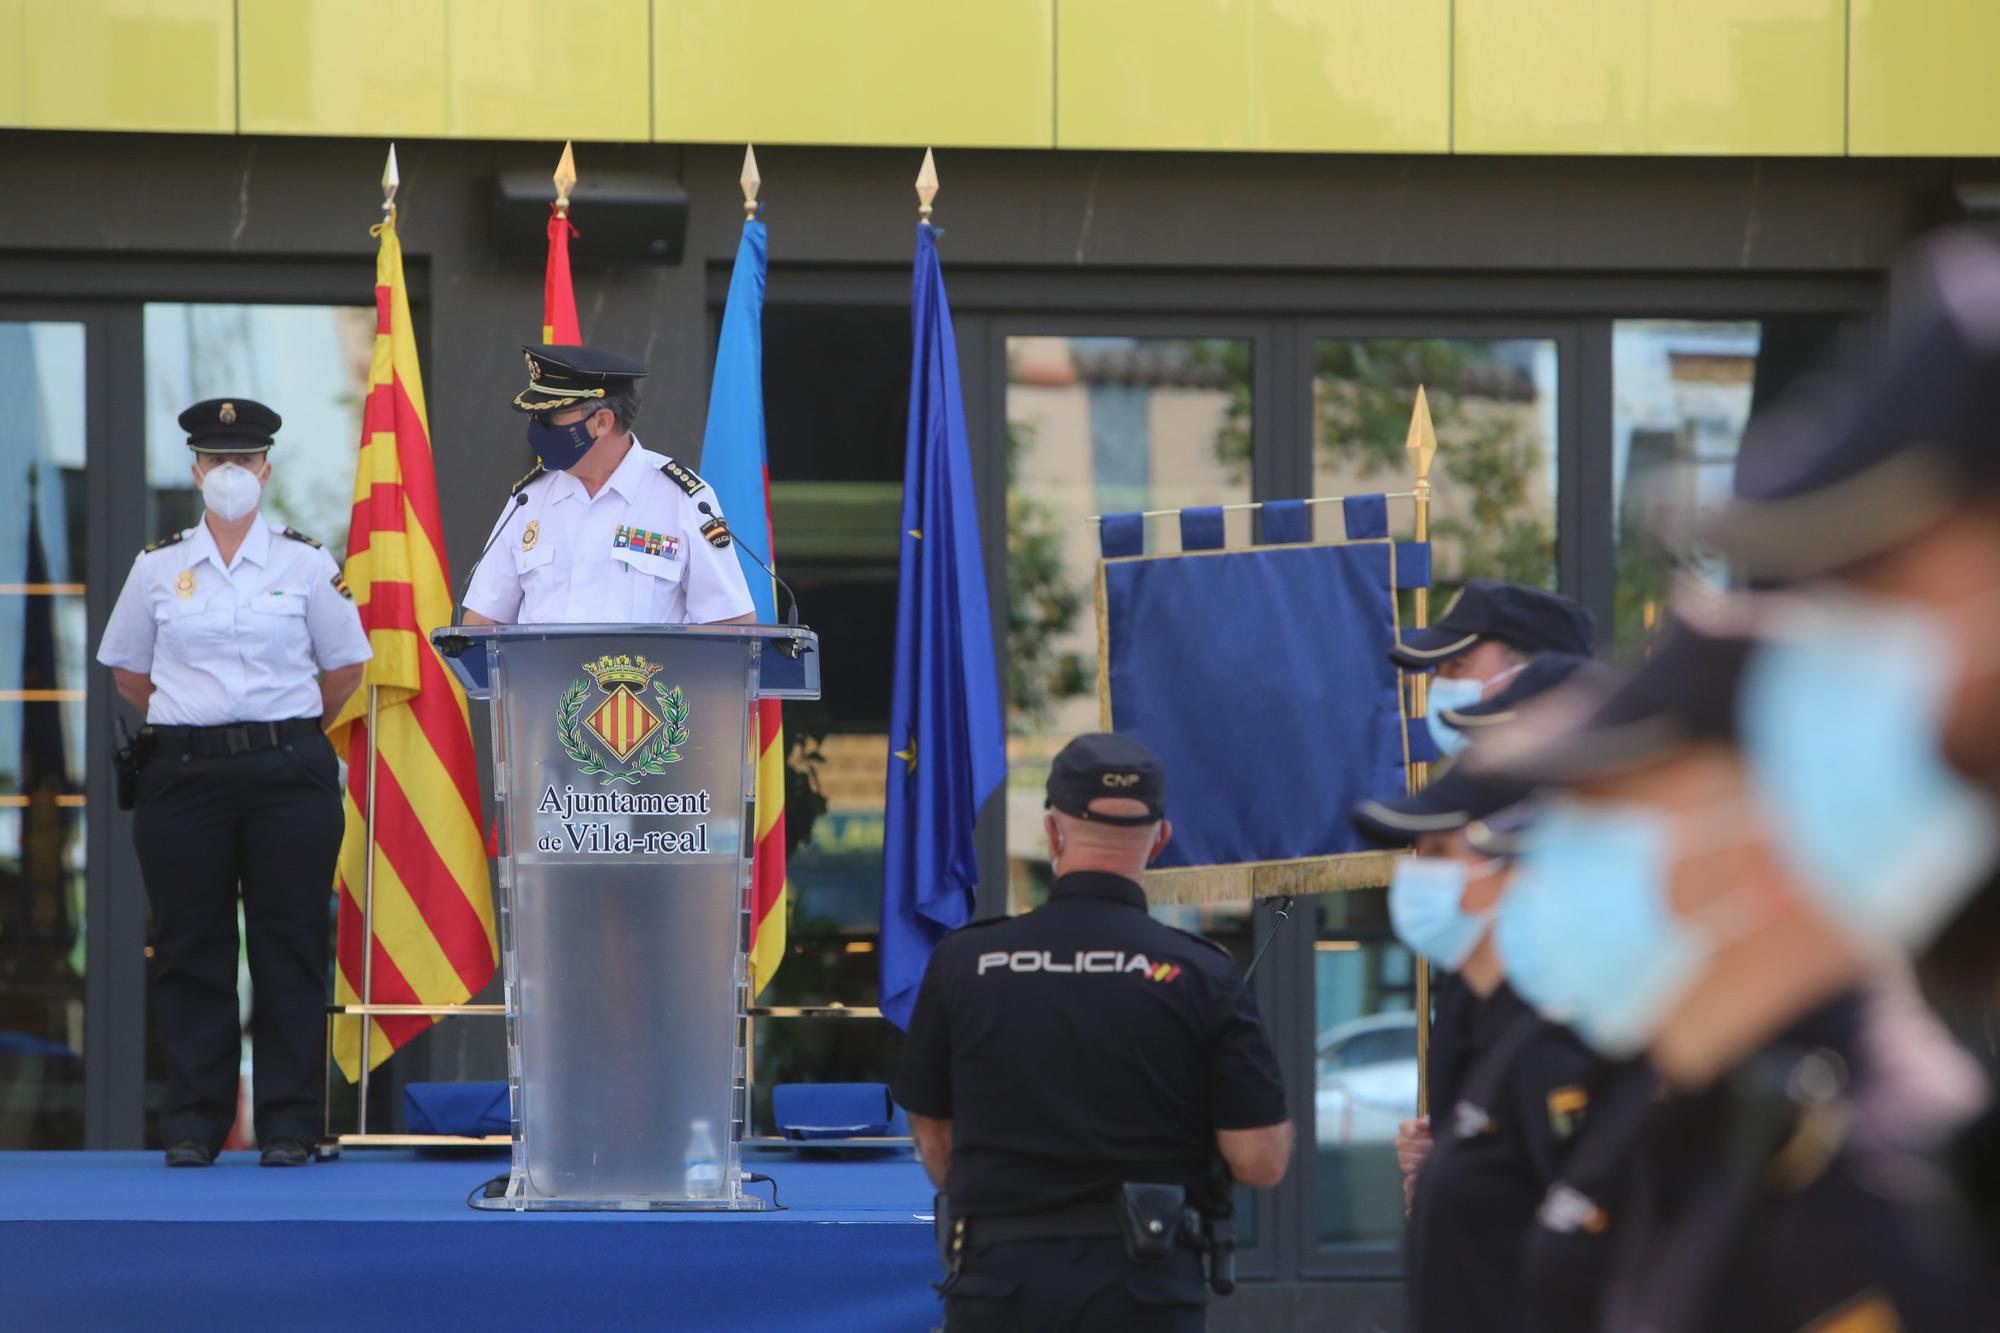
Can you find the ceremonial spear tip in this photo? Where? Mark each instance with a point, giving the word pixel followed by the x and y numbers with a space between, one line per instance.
pixel 1422 441
pixel 565 177
pixel 927 186
pixel 390 179
pixel 750 181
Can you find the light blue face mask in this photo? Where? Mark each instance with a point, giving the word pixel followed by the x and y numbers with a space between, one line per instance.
pixel 1585 931
pixel 1843 711
pixel 1424 908
pixel 1447 694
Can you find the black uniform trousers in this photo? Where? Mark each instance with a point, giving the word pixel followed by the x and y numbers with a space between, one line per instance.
pixel 268 824
pixel 1082 1284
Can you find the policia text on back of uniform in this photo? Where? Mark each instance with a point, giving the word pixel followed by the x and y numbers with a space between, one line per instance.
pixel 1071 1074
pixel 236 638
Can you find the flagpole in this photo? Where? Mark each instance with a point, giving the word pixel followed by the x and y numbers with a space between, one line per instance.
pixel 1421 444
pixel 565 179
pixel 391 179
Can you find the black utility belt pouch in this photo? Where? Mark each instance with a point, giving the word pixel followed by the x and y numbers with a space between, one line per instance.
pixel 1149 1219
pixel 126 761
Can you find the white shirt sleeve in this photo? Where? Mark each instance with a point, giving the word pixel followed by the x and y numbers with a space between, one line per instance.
pixel 130 633
pixel 333 620
pixel 715 587
pixel 496 587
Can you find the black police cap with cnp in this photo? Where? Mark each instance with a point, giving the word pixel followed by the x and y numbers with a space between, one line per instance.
pixel 1445 806
pixel 1685 693
pixel 1543 672
pixel 1510 612
pixel 1841 472
pixel 562 375
pixel 1100 764
pixel 230 426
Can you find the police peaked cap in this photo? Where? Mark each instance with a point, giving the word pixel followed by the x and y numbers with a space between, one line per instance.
pixel 1684 694
pixel 230 426
pixel 1841 473
pixel 1445 806
pixel 1542 673
pixel 1513 613
pixel 563 375
pixel 1099 764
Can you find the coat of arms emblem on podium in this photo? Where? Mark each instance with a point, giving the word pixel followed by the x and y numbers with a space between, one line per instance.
pixel 624 725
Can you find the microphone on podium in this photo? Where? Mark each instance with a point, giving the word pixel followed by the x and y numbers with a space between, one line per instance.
pixel 792 615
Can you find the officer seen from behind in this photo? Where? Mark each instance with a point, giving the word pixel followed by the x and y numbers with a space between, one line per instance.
pixel 1071 1074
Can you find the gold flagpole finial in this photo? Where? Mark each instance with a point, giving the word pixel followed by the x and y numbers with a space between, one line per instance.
pixel 927 186
pixel 1422 441
pixel 565 179
pixel 391 178
pixel 750 182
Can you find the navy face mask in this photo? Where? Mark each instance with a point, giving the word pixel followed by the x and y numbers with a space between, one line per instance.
pixel 559 447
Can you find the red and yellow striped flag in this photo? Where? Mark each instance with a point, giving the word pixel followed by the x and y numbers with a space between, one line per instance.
pixel 433 912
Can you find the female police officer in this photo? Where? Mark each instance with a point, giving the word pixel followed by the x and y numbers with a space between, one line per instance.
pixel 221 636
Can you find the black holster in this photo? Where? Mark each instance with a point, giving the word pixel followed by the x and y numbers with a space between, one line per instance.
pixel 127 759
pixel 1150 1220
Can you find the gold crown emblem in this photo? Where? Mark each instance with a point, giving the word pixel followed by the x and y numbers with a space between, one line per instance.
pixel 534 367
pixel 228 414
pixel 608 671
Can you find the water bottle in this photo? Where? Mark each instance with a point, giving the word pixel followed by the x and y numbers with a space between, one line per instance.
pixel 702 1165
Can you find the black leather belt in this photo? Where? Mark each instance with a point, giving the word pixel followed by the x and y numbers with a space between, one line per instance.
pixel 1090 1217
pixel 234 738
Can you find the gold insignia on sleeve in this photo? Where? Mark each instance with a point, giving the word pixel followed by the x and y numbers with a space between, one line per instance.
pixel 1869 1312
pixel 531 534
pixel 717 533
pixel 1566 1108
pixel 228 414
pixel 184 585
pixel 340 586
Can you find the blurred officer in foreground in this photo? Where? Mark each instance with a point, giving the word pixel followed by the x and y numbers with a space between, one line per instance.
pixel 236 638
pixel 1479 647
pixel 603 530
pixel 1783 1185
pixel 1071 1074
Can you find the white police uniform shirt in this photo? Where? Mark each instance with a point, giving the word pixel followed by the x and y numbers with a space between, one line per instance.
pixel 242 642
pixel 635 553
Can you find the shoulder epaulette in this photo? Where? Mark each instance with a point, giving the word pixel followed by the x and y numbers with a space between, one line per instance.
pixel 298 536
pixel 166 541
pixel 524 482
pixel 683 477
pixel 1203 939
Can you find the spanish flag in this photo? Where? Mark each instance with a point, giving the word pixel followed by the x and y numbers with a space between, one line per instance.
pixel 434 941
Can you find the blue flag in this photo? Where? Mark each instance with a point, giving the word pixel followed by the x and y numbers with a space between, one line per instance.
pixel 948 752
pixel 732 446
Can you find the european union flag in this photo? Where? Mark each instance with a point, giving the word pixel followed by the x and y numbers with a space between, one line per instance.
pixel 948 754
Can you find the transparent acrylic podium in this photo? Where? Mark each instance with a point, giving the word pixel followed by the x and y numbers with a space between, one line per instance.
pixel 623 782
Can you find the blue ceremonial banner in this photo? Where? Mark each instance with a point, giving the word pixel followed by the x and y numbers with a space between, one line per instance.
pixel 948 749
pixel 1261 678
pixel 732 445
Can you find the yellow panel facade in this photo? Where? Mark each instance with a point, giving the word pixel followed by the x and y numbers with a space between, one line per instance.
pixel 1280 75
pixel 965 73
pixel 350 67
pixel 1624 76
pixel 129 64
pixel 1921 78
pixel 13 63
pixel 538 69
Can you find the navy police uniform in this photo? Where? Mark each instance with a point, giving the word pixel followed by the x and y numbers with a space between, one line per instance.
pixel 1077 1048
pixel 1497 1149
pixel 239 793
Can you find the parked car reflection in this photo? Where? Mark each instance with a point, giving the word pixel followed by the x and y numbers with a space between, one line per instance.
pixel 1365 1078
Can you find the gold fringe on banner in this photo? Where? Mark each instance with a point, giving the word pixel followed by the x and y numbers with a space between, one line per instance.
pixel 1248 880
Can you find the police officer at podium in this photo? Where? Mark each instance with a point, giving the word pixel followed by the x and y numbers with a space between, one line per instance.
pixel 603 530
pixel 236 638
pixel 1071 1075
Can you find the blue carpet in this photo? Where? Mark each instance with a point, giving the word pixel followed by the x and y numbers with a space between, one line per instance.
pixel 385 1241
